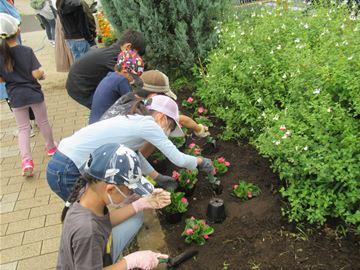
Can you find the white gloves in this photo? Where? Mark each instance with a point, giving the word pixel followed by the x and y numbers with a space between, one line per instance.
pixel 146 259
pixel 157 200
pixel 204 132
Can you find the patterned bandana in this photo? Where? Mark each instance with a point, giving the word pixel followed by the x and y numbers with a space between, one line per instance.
pixel 131 62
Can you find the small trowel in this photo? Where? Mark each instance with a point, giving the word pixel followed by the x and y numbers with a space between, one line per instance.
pixel 175 262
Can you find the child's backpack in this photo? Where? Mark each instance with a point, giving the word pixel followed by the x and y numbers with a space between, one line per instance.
pixel 37 4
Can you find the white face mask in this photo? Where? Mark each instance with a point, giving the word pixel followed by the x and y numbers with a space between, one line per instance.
pixel 117 205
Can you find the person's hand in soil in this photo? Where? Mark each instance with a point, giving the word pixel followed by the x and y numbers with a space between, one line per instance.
pixel 166 182
pixel 157 200
pixel 145 259
pixel 202 132
pixel 205 165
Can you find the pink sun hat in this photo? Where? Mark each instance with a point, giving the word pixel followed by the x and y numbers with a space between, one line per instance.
pixel 167 106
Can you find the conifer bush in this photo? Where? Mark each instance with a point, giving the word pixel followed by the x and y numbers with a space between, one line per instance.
pixel 177 32
pixel 289 81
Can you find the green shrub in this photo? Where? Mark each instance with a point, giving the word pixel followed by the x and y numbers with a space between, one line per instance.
pixel 177 32
pixel 300 70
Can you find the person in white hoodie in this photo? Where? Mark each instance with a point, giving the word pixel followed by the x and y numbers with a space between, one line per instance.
pixel 46 16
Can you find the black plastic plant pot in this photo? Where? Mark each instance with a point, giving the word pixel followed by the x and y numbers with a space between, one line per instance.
pixel 173 218
pixel 216 211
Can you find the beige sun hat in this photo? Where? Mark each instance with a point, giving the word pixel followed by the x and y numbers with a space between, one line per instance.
pixel 157 82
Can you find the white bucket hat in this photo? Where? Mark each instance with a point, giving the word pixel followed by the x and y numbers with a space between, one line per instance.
pixel 8 25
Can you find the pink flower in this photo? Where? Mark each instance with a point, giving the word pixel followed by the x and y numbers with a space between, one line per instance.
pixel 214 172
pixel 196 227
pixel 249 194
pixel 197 151
pixel 203 223
pixel 192 145
pixel 221 159
pixel 206 236
pixel 190 100
pixel 201 110
pixel 188 181
pixel 175 175
pixel 227 163
pixel 282 128
pixel 192 218
pixel 235 186
pixel 184 200
pixel 189 231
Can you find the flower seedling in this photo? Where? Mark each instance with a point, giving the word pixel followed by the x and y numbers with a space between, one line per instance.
pixel 189 103
pixel 193 149
pixel 157 157
pixel 221 165
pixel 246 191
pixel 187 178
pixel 178 141
pixel 179 203
pixel 196 230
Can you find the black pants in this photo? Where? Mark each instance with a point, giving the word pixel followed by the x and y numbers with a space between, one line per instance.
pixel 49 26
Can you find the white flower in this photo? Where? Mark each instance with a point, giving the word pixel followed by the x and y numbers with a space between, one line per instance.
pixel 234 67
pixel 345 43
pixel 329 110
pixel 350 58
pixel 269 38
pixel 242 33
pixel 306 147
pixel 306 26
pixel 263 114
pixel 252 130
pixel 278 47
pixel 317 91
pixel 271 52
pixel 232 34
pixel 283 26
pixel 253 14
pixel 259 100
pixel 342 26
pixel 276 117
pixel 276 142
pixel 300 46
pixel 297 40
pixel 284 76
pixel 276 30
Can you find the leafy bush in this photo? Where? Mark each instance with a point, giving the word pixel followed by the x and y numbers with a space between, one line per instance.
pixel 299 71
pixel 177 32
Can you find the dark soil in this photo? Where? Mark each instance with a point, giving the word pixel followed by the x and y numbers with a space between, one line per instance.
pixel 254 234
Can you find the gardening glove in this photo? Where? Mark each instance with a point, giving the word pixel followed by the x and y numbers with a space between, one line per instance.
pixel 157 200
pixel 207 167
pixel 204 132
pixel 145 259
pixel 166 182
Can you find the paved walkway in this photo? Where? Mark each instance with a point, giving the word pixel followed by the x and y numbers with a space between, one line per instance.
pixel 30 212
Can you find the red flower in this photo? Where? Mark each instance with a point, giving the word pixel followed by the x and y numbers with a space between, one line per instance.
pixel 221 159
pixel 235 186
pixel 192 145
pixel 190 100
pixel 184 200
pixel 249 194
pixel 201 110
pixel 197 151
pixel 206 236
pixel 189 231
pixel 227 163
pixel 175 175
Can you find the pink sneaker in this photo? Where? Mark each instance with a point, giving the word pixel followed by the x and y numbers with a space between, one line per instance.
pixel 27 168
pixel 51 151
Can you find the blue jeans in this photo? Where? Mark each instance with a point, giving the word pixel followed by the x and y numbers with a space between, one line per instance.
pixel 78 47
pixel 62 174
pixel 124 233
